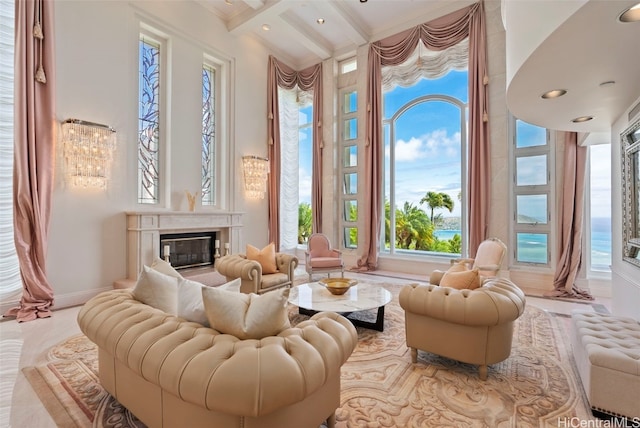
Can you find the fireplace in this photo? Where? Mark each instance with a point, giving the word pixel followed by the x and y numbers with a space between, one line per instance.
pixel 188 250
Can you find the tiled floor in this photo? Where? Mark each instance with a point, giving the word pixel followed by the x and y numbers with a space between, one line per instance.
pixel 25 344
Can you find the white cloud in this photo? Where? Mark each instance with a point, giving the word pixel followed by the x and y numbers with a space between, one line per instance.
pixel 433 144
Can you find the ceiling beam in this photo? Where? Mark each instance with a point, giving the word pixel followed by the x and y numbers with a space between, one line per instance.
pixel 351 29
pixel 306 36
pixel 251 19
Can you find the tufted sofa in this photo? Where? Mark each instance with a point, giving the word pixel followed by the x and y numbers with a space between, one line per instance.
pixel 472 326
pixel 173 373
pixel 607 353
pixel 250 272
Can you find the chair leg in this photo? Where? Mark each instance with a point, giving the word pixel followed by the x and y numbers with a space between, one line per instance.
pixel 331 420
pixel 309 277
pixel 414 355
pixel 482 372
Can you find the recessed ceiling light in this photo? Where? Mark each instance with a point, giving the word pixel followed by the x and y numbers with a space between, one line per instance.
pixel 229 2
pixel 630 15
pixel 320 20
pixel 607 83
pixel 266 27
pixel 582 119
pixel 554 93
pixel 363 1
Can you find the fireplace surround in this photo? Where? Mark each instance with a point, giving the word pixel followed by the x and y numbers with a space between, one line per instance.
pixel 145 228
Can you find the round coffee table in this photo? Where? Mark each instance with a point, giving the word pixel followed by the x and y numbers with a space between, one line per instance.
pixel 313 297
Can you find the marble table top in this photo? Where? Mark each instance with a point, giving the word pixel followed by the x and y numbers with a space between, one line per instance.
pixel 360 297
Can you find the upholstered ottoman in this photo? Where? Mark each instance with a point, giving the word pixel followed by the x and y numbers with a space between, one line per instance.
pixel 607 353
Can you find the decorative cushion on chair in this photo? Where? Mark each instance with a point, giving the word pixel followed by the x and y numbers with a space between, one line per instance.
pixel 247 316
pixel 324 262
pixel 266 257
pixel 458 276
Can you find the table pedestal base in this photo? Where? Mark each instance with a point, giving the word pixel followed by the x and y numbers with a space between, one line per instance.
pixel 377 325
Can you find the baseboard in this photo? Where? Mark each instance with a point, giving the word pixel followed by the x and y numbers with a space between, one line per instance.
pixel 61 301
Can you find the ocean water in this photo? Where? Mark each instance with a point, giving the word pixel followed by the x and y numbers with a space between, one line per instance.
pixel 532 247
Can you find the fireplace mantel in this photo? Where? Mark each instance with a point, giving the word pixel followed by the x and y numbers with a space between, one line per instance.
pixel 145 227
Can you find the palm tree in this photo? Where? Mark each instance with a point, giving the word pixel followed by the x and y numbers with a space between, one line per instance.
pixel 304 222
pixel 435 200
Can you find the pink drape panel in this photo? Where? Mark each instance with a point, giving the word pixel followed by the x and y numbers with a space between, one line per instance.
pixel 281 75
pixel 33 153
pixel 571 221
pixel 437 35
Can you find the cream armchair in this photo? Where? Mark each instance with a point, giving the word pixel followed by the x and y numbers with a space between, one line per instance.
pixel 488 260
pixel 472 326
pixel 250 272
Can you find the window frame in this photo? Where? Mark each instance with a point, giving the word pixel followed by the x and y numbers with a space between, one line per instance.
pixel 587 240
pixel 548 228
pixel 345 226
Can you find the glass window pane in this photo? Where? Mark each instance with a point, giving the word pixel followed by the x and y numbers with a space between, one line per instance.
pixel 528 135
pixel 531 170
pixel 305 115
pixel 348 65
pixel 350 237
pixel 208 135
pixel 532 247
pixel 532 209
pixel 350 156
pixel 350 102
pixel 351 210
pixel 350 184
pixel 600 183
pixel 350 131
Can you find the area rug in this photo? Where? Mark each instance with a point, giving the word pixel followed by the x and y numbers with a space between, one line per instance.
pixel 536 386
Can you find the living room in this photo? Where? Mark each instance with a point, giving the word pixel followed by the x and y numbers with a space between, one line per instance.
pixel 96 79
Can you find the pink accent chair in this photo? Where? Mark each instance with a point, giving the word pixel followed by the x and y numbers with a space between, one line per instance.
pixel 488 260
pixel 320 257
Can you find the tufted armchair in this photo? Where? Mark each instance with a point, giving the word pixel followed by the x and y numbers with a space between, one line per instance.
pixel 250 272
pixel 472 326
pixel 488 260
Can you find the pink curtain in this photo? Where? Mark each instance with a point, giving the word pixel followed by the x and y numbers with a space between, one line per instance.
pixel 437 35
pixel 281 75
pixel 571 221
pixel 34 152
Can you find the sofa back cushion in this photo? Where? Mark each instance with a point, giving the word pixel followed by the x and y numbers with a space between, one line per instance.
pixel 157 289
pixel 246 316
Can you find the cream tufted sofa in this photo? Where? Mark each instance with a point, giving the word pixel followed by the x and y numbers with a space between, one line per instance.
pixel 607 353
pixel 174 373
pixel 250 272
pixel 472 326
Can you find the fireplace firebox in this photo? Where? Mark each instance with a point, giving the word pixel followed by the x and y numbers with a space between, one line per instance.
pixel 188 249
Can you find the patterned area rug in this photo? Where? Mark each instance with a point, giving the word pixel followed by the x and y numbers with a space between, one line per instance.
pixel 536 386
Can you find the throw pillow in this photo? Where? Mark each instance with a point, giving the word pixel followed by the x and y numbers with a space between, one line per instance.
pixel 266 257
pixel 246 316
pixel 165 268
pixel 458 276
pixel 157 289
pixel 190 304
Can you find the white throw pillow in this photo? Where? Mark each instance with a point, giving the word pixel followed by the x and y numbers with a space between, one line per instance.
pixel 246 316
pixel 157 289
pixel 190 304
pixel 165 268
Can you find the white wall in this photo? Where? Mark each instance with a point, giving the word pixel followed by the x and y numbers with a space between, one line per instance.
pixel 97 80
pixel 625 277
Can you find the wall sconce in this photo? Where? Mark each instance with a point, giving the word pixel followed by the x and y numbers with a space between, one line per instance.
pixel 88 152
pixel 255 176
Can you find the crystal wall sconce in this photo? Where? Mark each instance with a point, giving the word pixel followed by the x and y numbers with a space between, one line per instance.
pixel 88 152
pixel 256 170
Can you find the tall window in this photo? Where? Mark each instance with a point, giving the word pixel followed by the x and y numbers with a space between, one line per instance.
pixel 425 149
pixel 208 134
pixel 296 141
pixel 149 120
pixel 600 207
pixel 11 283
pixel 532 193
pixel 349 150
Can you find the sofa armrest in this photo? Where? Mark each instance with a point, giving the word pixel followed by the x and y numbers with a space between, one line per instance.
pixel 436 277
pixel 287 263
pixel 238 266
